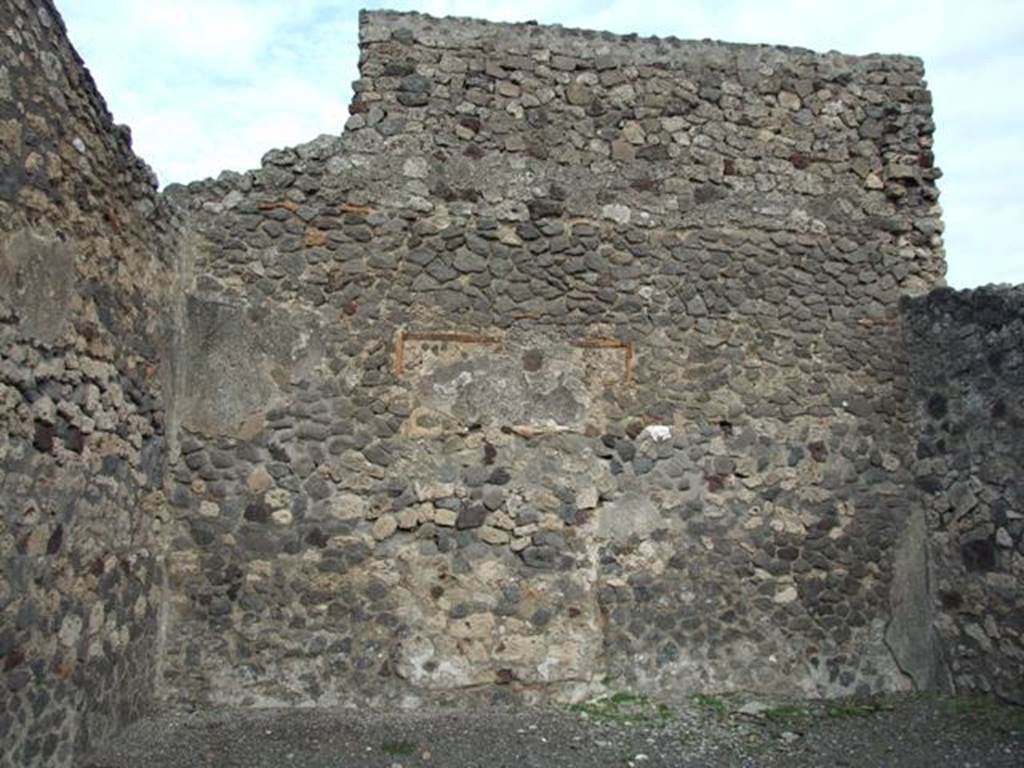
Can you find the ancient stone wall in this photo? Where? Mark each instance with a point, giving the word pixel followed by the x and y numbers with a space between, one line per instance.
pixel 84 257
pixel 575 363
pixel 968 356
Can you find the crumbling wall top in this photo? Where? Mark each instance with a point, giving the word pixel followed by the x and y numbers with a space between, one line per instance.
pixel 454 32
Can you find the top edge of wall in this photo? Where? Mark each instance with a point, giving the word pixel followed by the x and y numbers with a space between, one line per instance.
pixel 456 32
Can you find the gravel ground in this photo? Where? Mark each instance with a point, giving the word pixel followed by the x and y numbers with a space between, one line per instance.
pixel 621 731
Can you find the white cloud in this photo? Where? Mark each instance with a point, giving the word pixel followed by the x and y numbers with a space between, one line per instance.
pixel 213 84
pixel 220 33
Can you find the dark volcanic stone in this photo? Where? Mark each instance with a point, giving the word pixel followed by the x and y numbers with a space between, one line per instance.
pixel 377 454
pixel 979 555
pixel 500 476
pixel 44 436
pixel 625 448
pixel 472 516
pixel 544 208
pixel 257 512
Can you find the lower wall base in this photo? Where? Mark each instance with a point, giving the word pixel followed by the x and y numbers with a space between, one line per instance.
pixel 412 629
pixel 93 673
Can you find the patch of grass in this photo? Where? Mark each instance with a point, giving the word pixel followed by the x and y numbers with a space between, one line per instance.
pixel 620 699
pixel 398 748
pixel 986 712
pixel 624 709
pixel 982 707
pixel 786 714
pixel 711 703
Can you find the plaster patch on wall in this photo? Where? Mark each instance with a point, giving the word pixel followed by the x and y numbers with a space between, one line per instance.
pixel 37 279
pixel 236 365
pixel 629 515
pixel 528 384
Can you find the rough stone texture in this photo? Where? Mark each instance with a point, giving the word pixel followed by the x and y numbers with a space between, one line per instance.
pixel 968 355
pixel 575 361
pixel 84 250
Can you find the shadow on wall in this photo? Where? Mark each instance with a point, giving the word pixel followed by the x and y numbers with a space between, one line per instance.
pixel 967 351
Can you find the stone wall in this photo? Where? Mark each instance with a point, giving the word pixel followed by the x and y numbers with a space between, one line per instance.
pixel 575 363
pixel 968 356
pixel 83 256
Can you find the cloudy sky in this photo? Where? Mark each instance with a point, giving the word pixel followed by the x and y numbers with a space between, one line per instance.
pixel 208 85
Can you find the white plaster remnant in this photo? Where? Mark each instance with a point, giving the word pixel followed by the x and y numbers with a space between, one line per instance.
pixel 786 596
pixel 209 509
pixel 70 630
pixel 617 212
pixel 452 388
pixel 659 433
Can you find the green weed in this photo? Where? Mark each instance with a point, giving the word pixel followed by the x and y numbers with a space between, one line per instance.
pixel 981 707
pixel 398 747
pixel 711 703
pixel 786 714
pixel 624 709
